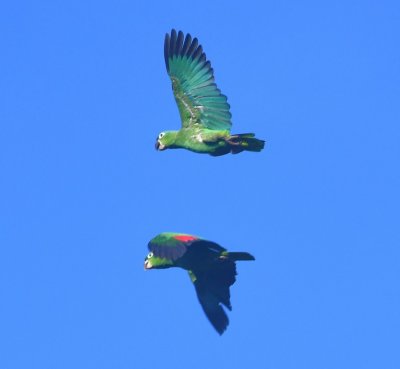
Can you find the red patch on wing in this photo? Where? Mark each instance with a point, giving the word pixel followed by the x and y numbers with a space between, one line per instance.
pixel 185 238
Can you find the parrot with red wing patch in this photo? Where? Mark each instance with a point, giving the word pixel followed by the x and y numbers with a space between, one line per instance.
pixel 212 269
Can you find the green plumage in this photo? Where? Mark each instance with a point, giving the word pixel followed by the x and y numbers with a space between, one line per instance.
pixel 204 110
pixel 212 269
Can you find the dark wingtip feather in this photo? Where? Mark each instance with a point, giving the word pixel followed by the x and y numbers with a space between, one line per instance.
pixel 219 320
pixel 192 46
pixel 166 50
pixel 215 314
pixel 198 53
pixel 177 44
pixel 172 42
pixel 186 44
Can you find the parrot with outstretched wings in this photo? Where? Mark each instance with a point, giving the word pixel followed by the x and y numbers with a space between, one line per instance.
pixel 212 269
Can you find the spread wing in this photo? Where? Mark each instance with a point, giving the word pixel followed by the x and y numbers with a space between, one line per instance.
pixel 199 100
pixel 212 288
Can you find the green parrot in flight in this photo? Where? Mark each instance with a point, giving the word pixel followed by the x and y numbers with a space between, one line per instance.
pixel 204 111
pixel 212 269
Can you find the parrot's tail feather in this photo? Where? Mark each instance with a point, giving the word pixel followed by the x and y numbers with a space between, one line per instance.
pixel 236 256
pixel 245 142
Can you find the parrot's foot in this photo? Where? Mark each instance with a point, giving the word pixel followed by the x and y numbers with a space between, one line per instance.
pixel 244 142
pixel 233 143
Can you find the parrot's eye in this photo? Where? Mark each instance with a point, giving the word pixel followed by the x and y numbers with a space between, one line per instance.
pixel 150 255
pixel 161 135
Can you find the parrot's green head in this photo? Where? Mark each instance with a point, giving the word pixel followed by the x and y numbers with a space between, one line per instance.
pixel 154 262
pixel 165 140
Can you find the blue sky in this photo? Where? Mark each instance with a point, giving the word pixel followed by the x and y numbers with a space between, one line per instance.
pixel 84 93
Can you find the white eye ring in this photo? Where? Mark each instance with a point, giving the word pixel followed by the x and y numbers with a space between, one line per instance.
pixel 161 135
pixel 150 255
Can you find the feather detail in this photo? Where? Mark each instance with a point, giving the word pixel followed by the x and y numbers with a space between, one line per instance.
pixel 185 237
pixel 193 83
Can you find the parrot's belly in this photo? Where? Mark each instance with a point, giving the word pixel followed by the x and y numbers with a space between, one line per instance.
pixel 204 141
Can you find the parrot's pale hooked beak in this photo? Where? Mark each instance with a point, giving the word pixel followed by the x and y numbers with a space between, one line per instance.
pixel 147 265
pixel 159 146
